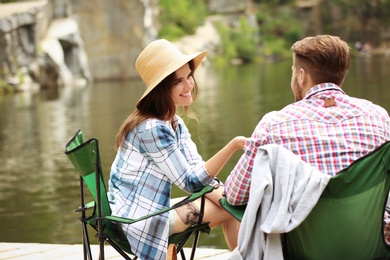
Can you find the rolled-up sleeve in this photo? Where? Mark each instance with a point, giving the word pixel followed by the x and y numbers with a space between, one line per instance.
pixel 237 184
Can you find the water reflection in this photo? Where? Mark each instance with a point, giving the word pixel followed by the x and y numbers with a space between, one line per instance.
pixel 39 187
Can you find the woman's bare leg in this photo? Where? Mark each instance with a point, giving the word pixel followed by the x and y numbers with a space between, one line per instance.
pixel 216 216
pixel 230 225
pixel 230 231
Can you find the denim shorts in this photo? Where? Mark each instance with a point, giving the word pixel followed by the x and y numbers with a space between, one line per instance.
pixel 171 220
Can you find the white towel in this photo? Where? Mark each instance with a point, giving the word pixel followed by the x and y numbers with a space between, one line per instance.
pixel 283 191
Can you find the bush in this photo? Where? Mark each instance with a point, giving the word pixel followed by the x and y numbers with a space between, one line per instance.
pixel 180 18
pixel 279 29
pixel 239 42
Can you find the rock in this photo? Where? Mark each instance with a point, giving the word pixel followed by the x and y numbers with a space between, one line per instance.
pixel 69 54
pixel 114 34
pixel 206 37
pixel 31 39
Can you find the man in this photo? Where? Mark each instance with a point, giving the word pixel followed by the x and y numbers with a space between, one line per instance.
pixel 324 126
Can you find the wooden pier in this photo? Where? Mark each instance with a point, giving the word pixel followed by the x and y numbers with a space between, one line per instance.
pixel 33 251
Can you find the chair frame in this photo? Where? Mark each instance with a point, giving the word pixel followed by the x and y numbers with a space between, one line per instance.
pixel 98 217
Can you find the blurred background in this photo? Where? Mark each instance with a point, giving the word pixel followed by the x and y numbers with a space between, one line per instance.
pixel 67 65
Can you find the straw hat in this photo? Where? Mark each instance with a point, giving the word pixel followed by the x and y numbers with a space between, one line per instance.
pixel 161 58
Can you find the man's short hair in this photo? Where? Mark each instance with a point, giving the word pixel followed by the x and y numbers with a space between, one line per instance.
pixel 326 58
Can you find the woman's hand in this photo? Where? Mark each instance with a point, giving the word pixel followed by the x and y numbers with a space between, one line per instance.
pixel 239 142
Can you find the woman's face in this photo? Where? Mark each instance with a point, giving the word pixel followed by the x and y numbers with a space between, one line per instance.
pixel 182 87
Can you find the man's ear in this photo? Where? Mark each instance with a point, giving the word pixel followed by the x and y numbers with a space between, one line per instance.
pixel 304 79
pixel 302 76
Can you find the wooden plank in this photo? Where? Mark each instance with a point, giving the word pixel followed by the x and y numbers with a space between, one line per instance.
pixel 25 250
pixel 32 251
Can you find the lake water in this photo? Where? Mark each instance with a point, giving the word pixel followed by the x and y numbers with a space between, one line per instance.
pixel 39 187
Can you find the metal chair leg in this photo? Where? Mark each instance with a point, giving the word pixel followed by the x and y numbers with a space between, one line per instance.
pixel 86 244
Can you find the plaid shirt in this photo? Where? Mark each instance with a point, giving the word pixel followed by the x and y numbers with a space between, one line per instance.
pixel 327 129
pixel 152 158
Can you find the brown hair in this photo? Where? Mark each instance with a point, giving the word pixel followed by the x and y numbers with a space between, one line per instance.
pixel 157 104
pixel 325 57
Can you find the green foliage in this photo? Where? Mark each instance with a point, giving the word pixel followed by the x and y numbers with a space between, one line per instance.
pixel 278 26
pixel 5 88
pixel 275 2
pixel 275 49
pixel 239 42
pixel 279 23
pixel 180 18
pixel 2 83
pixel 364 8
pixel 247 40
pixel 228 49
pixel 363 13
pixel 279 29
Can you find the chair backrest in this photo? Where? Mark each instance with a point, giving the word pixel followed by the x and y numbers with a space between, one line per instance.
pixel 347 221
pixel 85 157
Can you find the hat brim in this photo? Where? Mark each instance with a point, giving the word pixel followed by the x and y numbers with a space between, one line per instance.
pixel 173 66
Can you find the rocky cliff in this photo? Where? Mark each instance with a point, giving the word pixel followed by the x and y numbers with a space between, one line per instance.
pixel 52 43
pixel 114 33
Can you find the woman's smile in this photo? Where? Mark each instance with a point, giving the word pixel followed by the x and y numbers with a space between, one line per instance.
pixel 183 86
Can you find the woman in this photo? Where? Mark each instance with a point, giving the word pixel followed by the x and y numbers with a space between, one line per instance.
pixel 155 151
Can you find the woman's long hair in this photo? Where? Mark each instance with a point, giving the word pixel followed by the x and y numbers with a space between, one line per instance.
pixel 157 104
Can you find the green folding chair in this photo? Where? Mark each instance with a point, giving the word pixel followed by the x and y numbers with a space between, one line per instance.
pixel 85 157
pixel 347 221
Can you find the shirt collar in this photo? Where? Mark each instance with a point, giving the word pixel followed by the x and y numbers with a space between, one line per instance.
pixel 175 122
pixel 321 88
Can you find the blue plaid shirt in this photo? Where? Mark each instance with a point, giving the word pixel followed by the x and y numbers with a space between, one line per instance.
pixel 152 158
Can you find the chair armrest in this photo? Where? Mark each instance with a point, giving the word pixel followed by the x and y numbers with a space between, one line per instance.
pixel 190 198
pixel 194 196
pixel 86 207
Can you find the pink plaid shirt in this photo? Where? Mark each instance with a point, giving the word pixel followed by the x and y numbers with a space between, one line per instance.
pixel 327 129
